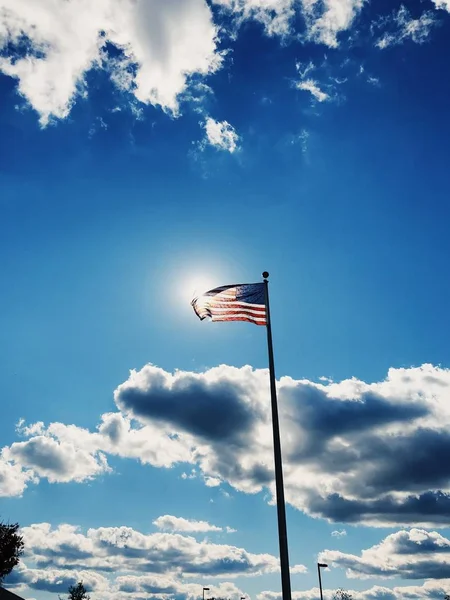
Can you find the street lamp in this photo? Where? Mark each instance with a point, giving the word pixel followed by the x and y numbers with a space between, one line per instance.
pixel 321 566
pixel 205 590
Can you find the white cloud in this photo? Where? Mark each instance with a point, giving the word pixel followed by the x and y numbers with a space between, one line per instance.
pixel 123 549
pixel 401 26
pixel 221 135
pixel 165 42
pixel 212 481
pixel 325 20
pixel 309 85
pixel 52 45
pixel 338 463
pixel 348 446
pixel 49 46
pixel 430 590
pixel 55 460
pixel 191 475
pixel 155 586
pixel 13 478
pixel 63 453
pixel 124 586
pixel 442 4
pixel 56 580
pixel 413 554
pixel 339 533
pixel 171 523
pixel 150 444
pixel 297 569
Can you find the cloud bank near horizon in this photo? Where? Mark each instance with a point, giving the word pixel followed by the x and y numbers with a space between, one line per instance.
pixel 349 447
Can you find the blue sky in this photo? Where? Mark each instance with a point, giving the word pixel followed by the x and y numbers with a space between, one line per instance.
pixel 152 148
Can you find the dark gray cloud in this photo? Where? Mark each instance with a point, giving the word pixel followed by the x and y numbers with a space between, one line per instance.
pixel 321 419
pixel 317 413
pixel 430 507
pixel 411 462
pixel 212 410
pixel 54 580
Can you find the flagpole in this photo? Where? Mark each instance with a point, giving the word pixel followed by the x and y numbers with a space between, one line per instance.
pixel 281 507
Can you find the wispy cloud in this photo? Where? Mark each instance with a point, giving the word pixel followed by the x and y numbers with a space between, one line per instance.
pixel 339 533
pixel 307 83
pixel 402 26
pixel 311 86
pixel 275 15
pixel 221 135
pixel 326 20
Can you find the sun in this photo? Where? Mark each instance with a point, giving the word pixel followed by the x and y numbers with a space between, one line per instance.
pixel 196 285
pixel 191 277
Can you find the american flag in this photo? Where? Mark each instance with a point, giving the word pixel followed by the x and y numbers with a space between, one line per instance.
pixel 245 302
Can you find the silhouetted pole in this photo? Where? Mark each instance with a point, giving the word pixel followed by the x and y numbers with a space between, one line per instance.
pixel 321 566
pixel 281 507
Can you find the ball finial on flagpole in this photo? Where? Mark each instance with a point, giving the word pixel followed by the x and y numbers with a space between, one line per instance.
pixel 265 274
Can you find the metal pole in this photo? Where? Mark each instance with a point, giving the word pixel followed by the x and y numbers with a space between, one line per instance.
pixel 320 581
pixel 281 507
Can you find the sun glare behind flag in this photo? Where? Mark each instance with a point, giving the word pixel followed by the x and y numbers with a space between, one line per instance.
pixel 242 302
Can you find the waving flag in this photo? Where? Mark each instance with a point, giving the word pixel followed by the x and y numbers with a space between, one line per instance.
pixel 245 302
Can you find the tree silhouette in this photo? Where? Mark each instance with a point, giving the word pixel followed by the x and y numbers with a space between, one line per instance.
pixel 11 548
pixel 447 597
pixel 341 594
pixel 77 592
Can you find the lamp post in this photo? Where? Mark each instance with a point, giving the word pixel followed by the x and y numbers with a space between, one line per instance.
pixel 321 566
pixel 205 590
